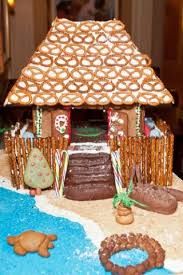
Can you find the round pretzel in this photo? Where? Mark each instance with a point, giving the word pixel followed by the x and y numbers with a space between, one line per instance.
pixel 19 97
pixel 81 37
pixel 67 60
pixel 97 99
pixel 148 72
pixel 91 60
pixel 122 98
pixel 130 73
pixel 55 37
pixel 58 73
pixel 48 48
pixel 115 60
pixel 150 85
pixel 98 50
pixel 27 85
pixel 42 59
pixel 42 99
pixel 74 99
pixel 165 97
pixel 81 74
pixel 74 49
pixel 122 37
pixel 101 37
pixel 89 26
pixel 65 25
pixel 140 60
pixel 75 86
pixel 104 72
pixel 102 86
pixel 33 72
pixel 51 86
pixel 146 98
pixel 128 84
pixel 123 48
pixel 113 26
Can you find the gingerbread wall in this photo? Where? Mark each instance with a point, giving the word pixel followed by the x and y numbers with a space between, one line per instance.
pixel 49 115
pixel 130 128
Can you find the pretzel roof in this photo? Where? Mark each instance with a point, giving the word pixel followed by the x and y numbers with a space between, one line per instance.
pixel 89 62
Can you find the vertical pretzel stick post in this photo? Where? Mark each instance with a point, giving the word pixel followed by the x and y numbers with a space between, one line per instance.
pixel 66 142
pixel 157 162
pixel 130 156
pixel 60 146
pixel 143 159
pixel 29 145
pixel 153 161
pixel 10 156
pixel 49 150
pixel 125 162
pixel 19 161
pixel 148 160
pixel 161 156
pixel 14 155
pixel 53 146
pixel 166 158
pixel 170 159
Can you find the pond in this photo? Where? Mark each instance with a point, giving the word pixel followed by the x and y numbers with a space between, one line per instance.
pixel 74 252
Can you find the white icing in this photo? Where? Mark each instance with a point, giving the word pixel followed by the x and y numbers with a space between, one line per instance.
pixel 38 76
pixel 167 99
pixel 46 86
pixel 14 97
pixel 33 89
pixel 47 62
pixel 147 87
pixel 39 100
pixel 52 74
pixel 22 84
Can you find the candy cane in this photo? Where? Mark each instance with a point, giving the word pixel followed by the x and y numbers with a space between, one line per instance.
pixel 117 170
pixel 57 172
pixel 65 161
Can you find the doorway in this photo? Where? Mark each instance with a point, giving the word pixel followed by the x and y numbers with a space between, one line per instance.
pixel 88 125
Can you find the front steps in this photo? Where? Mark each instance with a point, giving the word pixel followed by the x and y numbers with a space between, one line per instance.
pixel 90 173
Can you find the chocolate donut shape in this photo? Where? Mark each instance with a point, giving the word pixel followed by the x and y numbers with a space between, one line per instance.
pixel 116 243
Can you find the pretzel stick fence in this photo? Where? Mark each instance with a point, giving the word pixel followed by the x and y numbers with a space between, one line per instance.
pixel 153 156
pixel 18 150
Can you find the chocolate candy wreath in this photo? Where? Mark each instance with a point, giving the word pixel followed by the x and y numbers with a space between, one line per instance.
pixel 116 243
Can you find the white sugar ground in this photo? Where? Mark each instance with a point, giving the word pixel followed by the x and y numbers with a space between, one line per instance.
pixel 97 218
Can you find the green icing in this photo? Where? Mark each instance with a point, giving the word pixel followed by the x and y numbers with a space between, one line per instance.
pixel 88 131
pixel 38 173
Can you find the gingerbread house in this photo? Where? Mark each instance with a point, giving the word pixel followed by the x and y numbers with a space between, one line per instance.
pixel 84 75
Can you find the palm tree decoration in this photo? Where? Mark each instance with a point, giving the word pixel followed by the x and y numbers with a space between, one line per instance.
pixel 123 203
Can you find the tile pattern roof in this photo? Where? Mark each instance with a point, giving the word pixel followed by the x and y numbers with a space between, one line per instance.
pixel 89 62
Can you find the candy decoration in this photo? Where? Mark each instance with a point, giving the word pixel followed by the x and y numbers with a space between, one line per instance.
pixel 115 157
pixel 38 121
pixel 138 120
pixel 61 119
pixel 37 172
pixel 57 171
pixel 61 163
pixel 65 161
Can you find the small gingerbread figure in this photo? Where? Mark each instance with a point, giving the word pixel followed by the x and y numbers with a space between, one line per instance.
pixel 32 241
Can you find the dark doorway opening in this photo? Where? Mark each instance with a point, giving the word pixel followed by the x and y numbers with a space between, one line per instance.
pixel 89 125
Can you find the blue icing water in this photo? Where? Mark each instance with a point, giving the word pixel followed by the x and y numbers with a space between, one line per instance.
pixel 73 254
